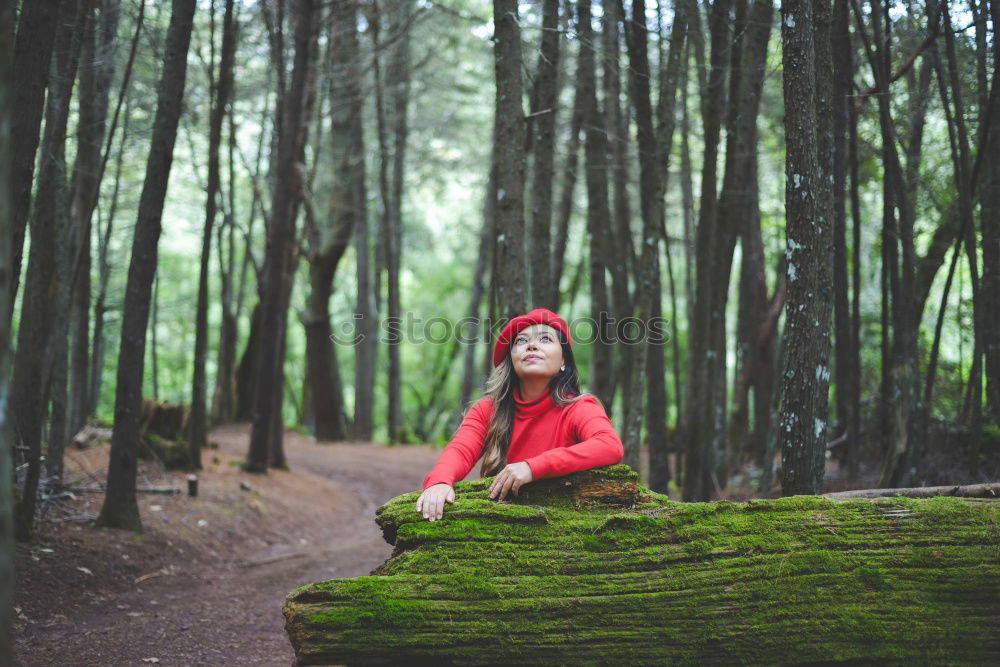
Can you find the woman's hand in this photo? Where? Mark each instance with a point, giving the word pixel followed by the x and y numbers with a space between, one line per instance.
pixel 511 478
pixel 431 501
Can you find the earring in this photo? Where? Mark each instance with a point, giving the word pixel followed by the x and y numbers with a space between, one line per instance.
pixel 563 368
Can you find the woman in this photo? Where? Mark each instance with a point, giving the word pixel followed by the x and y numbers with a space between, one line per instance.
pixel 533 421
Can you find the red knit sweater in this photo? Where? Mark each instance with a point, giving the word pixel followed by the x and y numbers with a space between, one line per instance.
pixel 552 440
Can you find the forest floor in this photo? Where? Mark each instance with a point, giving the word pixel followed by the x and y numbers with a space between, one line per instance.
pixel 204 583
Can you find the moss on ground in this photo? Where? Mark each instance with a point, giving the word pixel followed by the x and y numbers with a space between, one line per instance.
pixel 579 572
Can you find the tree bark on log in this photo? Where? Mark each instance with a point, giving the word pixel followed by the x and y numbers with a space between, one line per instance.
pixel 593 569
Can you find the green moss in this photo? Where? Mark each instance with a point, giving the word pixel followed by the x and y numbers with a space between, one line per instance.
pixel 889 580
pixel 871 578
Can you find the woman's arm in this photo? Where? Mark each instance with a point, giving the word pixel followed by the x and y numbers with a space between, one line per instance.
pixel 455 461
pixel 462 452
pixel 599 443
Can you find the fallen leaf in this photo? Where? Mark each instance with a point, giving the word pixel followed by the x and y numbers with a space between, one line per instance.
pixel 84 570
pixel 151 660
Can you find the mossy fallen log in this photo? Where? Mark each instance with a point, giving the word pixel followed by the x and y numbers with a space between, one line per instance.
pixel 593 569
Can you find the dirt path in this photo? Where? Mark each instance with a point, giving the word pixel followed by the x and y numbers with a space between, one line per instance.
pixel 206 581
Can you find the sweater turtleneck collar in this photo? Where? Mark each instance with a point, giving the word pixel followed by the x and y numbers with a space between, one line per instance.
pixel 534 407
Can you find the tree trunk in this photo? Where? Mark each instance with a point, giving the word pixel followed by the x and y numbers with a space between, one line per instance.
pixel 68 261
pixel 680 574
pixel 96 373
pixel 96 74
pixel 291 121
pixel 198 419
pixel 398 82
pixel 244 389
pixel 37 27
pixel 687 188
pixel 329 241
pixel 120 509
pixel 470 333
pixel 36 337
pixel 847 360
pixel 706 359
pixel 568 192
pixel 990 217
pixel 366 316
pixel 7 440
pixel 246 372
pixel 805 373
pixel 510 275
pixel 654 145
pixel 601 375
pixel 544 293
pixel 739 216
pixel 902 376
pixel 366 313
pixel 621 251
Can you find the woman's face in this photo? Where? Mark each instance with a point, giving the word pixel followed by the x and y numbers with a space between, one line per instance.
pixel 536 352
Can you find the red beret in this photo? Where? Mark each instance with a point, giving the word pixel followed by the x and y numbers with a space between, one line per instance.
pixel 537 316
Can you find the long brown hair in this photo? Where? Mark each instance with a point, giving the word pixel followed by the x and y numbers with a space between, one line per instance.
pixel 564 388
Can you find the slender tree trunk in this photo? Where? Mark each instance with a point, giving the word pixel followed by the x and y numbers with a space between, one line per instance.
pixel 847 362
pixel 382 132
pixel 104 275
pixel 104 236
pixel 618 235
pixel 398 81
pixel 198 419
pixel 544 294
pixel 601 375
pixel 96 72
pixel 154 345
pixel 120 509
pixel 7 109
pixel 706 360
pixel 67 263
pixel 990 217
pixel 739 210
pixel 329 241
pixel 511 272
pixel 805 376
pixel 654 152
pixel 366 317
pixel 568 192
pixel 687 191
pixel 267 431
pixel 246 371
pixel 37 27
pixel 33 361
pixel 471 331
pixel 224 396
pixel 854 164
